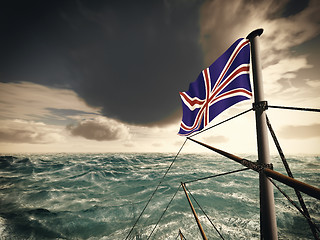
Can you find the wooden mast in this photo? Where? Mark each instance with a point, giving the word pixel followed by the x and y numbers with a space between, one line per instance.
pixel 194 213
pixel 268 225
pixel 291 182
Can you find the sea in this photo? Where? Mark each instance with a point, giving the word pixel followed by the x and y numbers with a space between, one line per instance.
pixel 101 196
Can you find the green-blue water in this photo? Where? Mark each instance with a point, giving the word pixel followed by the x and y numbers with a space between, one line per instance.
pixel 99 196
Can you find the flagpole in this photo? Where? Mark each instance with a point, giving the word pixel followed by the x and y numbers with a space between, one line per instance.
pixel 268 226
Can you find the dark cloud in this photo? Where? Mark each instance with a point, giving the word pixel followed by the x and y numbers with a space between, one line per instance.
pixel 130 58
pixel 99 130
pixel 300 131
pixel 293 7
pixel 287 24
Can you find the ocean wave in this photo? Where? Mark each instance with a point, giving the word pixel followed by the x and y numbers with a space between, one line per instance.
pixel 100 196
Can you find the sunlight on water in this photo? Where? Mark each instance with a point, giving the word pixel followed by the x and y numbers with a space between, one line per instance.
pixel 99 196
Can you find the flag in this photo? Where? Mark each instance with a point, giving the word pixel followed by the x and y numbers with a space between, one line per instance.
pixel 218 87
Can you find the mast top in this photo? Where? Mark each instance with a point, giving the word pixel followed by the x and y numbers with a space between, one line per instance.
pixel 255 33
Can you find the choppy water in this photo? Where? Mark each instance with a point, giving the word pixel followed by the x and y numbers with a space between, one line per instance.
pixel 99 196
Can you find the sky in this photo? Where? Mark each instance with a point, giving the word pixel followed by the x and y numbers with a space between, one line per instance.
pixel 105 76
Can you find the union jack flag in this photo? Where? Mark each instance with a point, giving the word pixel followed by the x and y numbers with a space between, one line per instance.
pixel 218 87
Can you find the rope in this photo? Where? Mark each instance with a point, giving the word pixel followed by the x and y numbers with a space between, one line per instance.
pixel 178 235
pixel 238 115
pixel 222 174
pixel 181 234
pixel 218 175
pixel 282 107
pixel 286 165
pixel 294 204
pixel 296 108
pixel 154 192
pixel 174 195
pixel 204 213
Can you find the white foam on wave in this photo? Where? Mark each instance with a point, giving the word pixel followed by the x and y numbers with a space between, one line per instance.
pixel 2 228
pixel 93 191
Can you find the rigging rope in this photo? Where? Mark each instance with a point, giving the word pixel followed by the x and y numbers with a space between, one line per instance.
pixel 267 169
pixel 217 175
pixel 204 213
pixel 286 165
pixel 238 115
pixel 181 235
pixel 222 174
pixel 156 189
pixel 310 190
pixel 293 203
pixel 296 108
pixel 174 195
pixel 174 161
pixel 282 107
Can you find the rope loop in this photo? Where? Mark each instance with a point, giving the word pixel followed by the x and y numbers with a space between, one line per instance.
pixel 262 105
pixel 256 166
pixel 263 166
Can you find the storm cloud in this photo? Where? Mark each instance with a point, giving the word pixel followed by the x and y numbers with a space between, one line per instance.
pixel 287 25
pixel 130 58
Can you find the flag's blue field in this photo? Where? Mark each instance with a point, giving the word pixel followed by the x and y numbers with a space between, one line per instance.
pixel 99 196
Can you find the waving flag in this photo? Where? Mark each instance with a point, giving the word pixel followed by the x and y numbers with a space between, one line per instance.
pixel 218 87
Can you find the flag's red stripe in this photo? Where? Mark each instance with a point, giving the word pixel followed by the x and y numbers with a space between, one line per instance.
pixel 205 107
pixel 216 91
pixel 234 56
pixel 230 93
pixel 227 80
pixel 197 126
pixel 191 102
